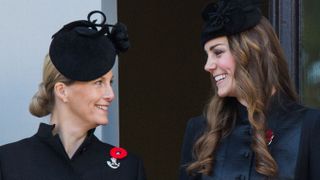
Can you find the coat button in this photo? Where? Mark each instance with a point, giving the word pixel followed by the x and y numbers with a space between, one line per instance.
pixel 83 150
pixel 246 154
pixel 241 177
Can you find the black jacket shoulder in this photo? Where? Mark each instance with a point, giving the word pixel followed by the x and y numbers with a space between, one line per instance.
pixel 44 158
pixel 195 128
pixel 309 152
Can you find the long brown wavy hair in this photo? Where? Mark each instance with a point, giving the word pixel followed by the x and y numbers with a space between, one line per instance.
pixel 261 68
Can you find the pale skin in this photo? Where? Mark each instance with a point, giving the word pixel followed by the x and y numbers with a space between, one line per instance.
pixel 80 107
pixel 221 65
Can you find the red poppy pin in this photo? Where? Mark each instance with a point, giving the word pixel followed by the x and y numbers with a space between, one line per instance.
pixel 116 153
pixel 269 136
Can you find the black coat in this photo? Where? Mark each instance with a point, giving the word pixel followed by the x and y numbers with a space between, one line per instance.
pixel 308 167
pixel 235 159
pixel 42 157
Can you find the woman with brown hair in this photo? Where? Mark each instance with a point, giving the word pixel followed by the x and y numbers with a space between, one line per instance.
pixel 76 92
pixel 252 124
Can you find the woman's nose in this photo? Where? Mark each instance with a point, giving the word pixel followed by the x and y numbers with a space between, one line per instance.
pixel 210 65
pixel 109 94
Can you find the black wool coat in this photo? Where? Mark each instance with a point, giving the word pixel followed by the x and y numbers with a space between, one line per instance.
pixel 42 157
pixel 235 159
pixel 308 166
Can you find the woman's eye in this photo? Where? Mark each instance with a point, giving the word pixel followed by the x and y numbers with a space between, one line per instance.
pixel 99 82
pixel 217 52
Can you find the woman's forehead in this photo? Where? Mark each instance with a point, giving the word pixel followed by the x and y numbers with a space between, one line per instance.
pixel 216 42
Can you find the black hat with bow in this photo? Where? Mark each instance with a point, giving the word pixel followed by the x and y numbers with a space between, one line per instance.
pixel 228 17
pixel 85 50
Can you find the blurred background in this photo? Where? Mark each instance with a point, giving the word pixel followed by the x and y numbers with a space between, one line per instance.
pixel 160 82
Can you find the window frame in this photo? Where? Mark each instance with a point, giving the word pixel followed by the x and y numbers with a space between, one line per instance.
pixel 284 15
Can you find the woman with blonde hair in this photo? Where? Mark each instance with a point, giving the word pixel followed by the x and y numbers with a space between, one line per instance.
pixel 252 124
pixel 76 92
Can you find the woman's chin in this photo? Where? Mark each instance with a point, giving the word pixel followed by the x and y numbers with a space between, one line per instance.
pixel 222 94
pixel 105 122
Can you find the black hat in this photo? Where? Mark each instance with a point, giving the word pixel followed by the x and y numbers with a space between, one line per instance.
pixel 81 52
pixel 227 17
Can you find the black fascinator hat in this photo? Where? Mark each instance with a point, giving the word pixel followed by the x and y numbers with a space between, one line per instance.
pixel 85 50
pixel 227 17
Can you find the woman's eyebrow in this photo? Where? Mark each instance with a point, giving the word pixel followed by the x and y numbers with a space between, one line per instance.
pixel 212 47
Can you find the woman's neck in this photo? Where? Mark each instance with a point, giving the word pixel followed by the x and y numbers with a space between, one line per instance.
pixel 71 134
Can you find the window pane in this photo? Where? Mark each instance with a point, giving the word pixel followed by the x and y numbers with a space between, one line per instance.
pixel 310 53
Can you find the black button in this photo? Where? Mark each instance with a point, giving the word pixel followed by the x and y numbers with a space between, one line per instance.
pixel 241 177
pixel 83 150
pixel 246 154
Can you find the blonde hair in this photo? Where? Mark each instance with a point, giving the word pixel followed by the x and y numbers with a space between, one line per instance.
pixel 43 101
pixel 260 68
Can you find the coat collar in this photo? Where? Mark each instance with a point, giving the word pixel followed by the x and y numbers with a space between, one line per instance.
pixel 45 131
pixel 279 105
pixel 46 136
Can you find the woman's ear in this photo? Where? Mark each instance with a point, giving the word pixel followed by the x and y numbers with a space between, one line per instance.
pixel 60 90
